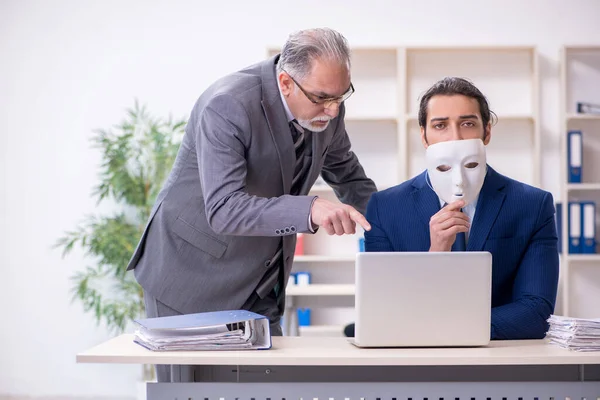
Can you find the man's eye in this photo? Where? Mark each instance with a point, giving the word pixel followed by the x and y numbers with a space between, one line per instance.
pixel 443 168
pixel 472 165
pixel 438 126
pixel 469 124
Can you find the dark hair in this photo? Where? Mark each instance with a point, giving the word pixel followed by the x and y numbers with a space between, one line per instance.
pixel 450 86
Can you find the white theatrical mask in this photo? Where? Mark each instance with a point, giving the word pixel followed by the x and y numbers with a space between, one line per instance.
pixel 457 169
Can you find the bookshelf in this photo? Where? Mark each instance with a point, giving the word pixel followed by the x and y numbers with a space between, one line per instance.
pixel 580 273
pixel 320 289
pixel 318 258
pixel 381 121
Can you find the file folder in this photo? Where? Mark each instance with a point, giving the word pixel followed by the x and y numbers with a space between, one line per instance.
pixel 588 225
pixel 304 317
pixel 217 330
pixel 574 155
pixel 574 227
pixel 559 230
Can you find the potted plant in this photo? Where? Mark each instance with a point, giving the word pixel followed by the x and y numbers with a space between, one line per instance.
pixel 137 155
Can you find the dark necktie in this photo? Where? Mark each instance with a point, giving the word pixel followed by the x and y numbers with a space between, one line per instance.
pixel 299 147
pixel 299 169
pixel 460 243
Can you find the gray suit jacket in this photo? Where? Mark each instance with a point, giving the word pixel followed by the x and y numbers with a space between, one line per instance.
pixel 225 207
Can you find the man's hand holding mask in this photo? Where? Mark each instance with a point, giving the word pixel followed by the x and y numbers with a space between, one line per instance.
pixel 445 224
pixel 456 170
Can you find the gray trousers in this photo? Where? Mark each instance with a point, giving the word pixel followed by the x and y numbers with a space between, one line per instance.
pixel 154 308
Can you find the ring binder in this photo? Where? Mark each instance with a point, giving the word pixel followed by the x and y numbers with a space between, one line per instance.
pixel 217 330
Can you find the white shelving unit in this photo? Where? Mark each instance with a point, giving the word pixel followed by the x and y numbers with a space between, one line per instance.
pixel 320 289
pixel 500 73
pixel 381 120
pixel 327 259
pixel 571 187
pixel 321 330
pixel 580 273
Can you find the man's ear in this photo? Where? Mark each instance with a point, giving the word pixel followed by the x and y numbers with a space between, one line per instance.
pixel 285 83
pixel 424 138
pixel 487 135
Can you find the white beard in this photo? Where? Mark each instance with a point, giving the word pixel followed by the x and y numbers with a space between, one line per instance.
pixel 458 182
pixel 308 124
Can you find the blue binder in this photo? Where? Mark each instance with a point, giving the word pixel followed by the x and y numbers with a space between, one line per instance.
pixel 304 317
pixel 558 217
pixel 574 155
pixel 217 330
pixel 588 227
pixel 574 227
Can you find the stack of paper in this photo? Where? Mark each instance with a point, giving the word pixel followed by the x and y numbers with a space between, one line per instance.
pixel 575 333
pixel 221 330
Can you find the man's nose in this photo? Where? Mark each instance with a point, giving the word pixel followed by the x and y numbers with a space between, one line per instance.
pixel 455 133
pixel 332 110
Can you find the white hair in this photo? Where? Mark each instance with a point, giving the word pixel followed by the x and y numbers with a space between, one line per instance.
pixel 303 47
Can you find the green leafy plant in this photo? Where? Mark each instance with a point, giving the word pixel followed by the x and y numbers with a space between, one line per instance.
pixel 136 158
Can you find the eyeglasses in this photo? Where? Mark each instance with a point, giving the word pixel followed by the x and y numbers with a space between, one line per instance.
pixel 321 100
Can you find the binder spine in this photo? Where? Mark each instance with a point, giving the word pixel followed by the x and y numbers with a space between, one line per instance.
pixel 303 316
pixel 574 228
pixel 559 228
pixel 588 227
pixel 574 155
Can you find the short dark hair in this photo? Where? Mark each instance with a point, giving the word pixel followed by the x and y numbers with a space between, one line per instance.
pixel 450 86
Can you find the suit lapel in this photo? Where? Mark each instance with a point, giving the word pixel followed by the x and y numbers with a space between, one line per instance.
pixel 425 200
pixel 278 125
pixel 489 204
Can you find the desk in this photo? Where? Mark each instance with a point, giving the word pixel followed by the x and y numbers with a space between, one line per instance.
pixel 325 368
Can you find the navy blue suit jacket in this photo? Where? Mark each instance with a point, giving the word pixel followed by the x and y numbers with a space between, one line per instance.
pixel 513 221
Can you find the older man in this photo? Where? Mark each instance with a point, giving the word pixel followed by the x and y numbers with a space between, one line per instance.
pixel 222 232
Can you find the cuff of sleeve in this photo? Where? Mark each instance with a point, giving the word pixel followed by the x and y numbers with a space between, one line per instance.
pixel 311 227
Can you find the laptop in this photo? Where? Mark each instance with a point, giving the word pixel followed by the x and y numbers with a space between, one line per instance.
pixel 423 299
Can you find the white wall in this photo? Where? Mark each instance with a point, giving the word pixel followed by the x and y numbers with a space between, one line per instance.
pixel 68 67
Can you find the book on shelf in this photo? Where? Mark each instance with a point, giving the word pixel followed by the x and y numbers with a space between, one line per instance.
pixel 588 108
pixel 303 316
pixel 581 227
pixel 558 219
pixel 574 155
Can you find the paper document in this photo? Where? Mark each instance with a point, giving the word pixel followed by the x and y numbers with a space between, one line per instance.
pixel 577 334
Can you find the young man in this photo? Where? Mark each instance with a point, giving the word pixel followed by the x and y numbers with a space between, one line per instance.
pixel 461 201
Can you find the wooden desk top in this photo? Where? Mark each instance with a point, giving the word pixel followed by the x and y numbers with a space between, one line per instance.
pixel 338 351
